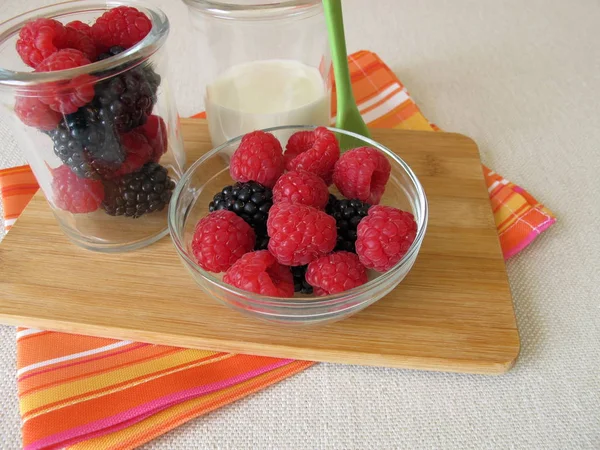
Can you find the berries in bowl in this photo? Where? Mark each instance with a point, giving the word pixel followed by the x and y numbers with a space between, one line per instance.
pixel 298 231
pixel 85 84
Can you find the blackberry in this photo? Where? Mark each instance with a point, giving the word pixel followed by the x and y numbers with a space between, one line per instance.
pixel 71 152
pixel 347 215
pixel 148 71
pixel 300 283
pixel 115 50
pixel 126 100
pixel 330 204
pixel 83 141
pixel 139 193
pixel 252 202
pixel 262 241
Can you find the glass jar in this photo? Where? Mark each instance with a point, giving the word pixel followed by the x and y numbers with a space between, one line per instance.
pixel 265 63
pixel 102 139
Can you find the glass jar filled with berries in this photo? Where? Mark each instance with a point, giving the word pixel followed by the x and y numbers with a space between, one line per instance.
pixel 84 84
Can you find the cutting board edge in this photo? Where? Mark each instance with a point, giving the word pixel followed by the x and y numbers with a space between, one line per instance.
pixel 428 363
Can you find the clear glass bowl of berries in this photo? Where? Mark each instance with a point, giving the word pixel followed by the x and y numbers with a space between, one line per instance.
pixel 84 87
pixel 298 231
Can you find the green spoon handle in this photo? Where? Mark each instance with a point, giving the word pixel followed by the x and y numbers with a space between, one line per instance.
pixel 335 29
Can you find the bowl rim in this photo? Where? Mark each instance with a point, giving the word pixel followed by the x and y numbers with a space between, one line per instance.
pixel 329 300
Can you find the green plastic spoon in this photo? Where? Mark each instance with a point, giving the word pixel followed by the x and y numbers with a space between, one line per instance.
pixel 348 116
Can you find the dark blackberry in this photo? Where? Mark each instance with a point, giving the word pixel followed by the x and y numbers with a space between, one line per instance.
pixel 83 141
pixel 330 204
pixel 347 214
pixel 300 283
pixel 113 51
pixel 262 242
pixel 126 100
pixel 139 193
pixel 71 152
pixel 251 201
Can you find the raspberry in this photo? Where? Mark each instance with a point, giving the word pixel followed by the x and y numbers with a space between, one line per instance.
pixel 75 194
pixel 155 130
pixel 42 38
pixel 220 239
pixel 39 39
pixel 335 273
pixel 314 151
pixel 81 41
pixel 384 237
pixel 80 26
pixel 64 59
pixel 299 234
pixel 298 142
pixel 361 174
pixel 137 153
pixel 124 26
pixel 66 98
pixel 260 272
pixel 31 111
pixel 301 187
pixel 258 158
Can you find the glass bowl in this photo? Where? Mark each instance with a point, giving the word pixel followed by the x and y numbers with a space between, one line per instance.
pixel 209 174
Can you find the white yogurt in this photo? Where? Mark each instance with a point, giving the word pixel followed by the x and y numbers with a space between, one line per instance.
pixel 264 94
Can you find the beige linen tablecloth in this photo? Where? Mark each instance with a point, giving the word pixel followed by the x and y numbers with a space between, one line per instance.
pixel 523 79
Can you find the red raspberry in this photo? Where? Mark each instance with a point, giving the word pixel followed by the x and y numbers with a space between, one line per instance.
pixel 43 37
pixel 335 273
pixel 66 98
pixel 260 272
pixel 220 239
pixel 155 130
pixel 299 234
pixel 138 152
pixel 80 26
pixel 64 59
pixel 34 113
pixel 315 151
pixel 39 39
pixel 298 142
pixel 75 194
pixel 258 158
pixel 362 173
pixel 301 187
pixel 123 26
pixel 81 41
pixel 384 237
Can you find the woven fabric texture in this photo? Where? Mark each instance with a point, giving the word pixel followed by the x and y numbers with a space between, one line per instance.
pixel 521 79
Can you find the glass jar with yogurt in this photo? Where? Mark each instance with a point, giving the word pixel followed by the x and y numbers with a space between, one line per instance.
pixel 265 63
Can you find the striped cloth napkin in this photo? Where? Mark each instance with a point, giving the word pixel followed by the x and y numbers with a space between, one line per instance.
pixel 92 393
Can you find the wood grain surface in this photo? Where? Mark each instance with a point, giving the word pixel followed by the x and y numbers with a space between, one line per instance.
pixel 453 312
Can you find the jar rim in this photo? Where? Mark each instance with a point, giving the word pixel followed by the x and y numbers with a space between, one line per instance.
pixel 268 9
pixel 130 57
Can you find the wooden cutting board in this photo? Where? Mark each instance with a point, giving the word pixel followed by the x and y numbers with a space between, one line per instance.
pixel 453 312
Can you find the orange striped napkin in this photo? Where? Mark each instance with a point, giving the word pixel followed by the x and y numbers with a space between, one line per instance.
pixel 91 393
